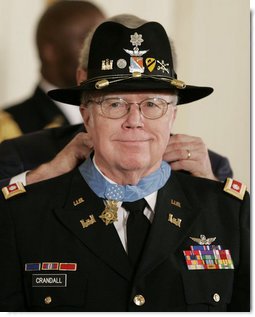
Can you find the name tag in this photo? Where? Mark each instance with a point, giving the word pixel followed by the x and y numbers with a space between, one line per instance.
pixel 49 280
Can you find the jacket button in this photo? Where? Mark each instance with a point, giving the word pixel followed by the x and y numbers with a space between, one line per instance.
pixel 139 300
pixel 216 297
pixel 47 300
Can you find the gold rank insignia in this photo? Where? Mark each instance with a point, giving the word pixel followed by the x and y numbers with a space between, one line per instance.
pixel 174 221
pixel 109 215
pixel 88 222
pixel 235 188
pixel 13 189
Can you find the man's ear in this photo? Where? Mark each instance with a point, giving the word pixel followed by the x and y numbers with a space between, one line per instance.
pixel 175 113
pixel 48 53
pixel 81 75
pixel 85 113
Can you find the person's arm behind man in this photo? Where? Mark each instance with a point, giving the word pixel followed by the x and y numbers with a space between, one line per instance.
pixel 29 151
pixel 54 154
pixel 190 154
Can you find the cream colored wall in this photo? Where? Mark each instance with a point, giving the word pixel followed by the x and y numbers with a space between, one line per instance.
pixel 212 43
pixel 18 58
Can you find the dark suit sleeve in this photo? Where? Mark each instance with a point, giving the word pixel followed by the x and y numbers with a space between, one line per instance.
pixel 25 153
pixel 241 290
pixel 30 150
pixel 220 166
pixel 10 161
pixel 11 289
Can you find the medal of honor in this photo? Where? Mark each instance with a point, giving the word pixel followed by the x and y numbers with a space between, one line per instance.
pixel 109 215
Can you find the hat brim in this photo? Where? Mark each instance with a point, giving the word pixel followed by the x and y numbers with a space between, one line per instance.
pixel 186 95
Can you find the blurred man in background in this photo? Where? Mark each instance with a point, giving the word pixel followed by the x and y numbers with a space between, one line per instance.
pixel 59 37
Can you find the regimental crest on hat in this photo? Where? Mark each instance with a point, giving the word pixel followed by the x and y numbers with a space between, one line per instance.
pixel 136 61
pixel 13 190
pixel 235 188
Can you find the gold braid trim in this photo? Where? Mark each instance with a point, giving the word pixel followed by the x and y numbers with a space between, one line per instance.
pixel 8 127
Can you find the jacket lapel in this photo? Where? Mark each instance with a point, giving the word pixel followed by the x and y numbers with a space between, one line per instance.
pixel 84 207
pixel 50 115
pixel 173 217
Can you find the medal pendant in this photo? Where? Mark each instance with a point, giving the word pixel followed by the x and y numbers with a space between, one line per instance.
pixel 109 215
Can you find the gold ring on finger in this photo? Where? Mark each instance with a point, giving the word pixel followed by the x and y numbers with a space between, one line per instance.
pixel 188 155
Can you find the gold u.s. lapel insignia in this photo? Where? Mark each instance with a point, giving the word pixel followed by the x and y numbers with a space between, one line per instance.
pixel 235 188
pixel 88 222
pixel 175 203
pixel 13 189
pixel 78 201
pixel 109 215
pixel 175 221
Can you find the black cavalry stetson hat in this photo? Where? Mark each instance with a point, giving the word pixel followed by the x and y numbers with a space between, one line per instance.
pixel 130 59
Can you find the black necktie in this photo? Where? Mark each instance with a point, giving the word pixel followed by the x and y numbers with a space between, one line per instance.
pixel 137 228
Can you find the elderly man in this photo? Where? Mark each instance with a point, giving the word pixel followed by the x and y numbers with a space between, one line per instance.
pixel 123 232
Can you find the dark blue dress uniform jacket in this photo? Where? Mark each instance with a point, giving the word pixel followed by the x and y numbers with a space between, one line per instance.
pixel 29 151
pixel 37 112
pixel 43 225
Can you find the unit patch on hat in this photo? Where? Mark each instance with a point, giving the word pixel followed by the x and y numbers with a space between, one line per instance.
pixel 150 63
pixel 13 189
pixel 235 188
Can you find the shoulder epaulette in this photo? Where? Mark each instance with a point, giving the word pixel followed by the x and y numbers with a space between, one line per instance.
pixel 235 188
pixel 13 190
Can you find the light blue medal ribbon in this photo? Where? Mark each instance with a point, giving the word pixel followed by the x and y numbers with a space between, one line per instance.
pixel 106 190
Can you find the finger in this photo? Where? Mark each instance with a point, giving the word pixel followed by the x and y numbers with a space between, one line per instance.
pixel 196 168
pixel 180 138
pixel 181 154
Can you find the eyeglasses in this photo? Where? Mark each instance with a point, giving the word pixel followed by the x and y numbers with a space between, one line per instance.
pixel 115 108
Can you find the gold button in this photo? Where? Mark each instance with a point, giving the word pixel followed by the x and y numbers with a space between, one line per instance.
pixel 216 297
pixel 139 300
pixel 47 300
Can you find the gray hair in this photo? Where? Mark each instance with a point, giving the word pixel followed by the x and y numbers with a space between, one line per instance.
pixel 128 20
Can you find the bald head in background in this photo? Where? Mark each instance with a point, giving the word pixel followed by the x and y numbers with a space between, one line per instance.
pixel 59 37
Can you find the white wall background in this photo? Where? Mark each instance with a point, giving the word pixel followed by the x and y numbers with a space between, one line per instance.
pixel 212 39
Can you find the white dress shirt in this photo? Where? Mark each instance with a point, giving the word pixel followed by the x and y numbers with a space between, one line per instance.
pixel 121 223
pixel 71 112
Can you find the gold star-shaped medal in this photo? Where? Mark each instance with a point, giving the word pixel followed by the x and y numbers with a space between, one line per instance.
pixel 109 215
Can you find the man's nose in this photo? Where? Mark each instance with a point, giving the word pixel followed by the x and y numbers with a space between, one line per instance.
pixel 134 117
